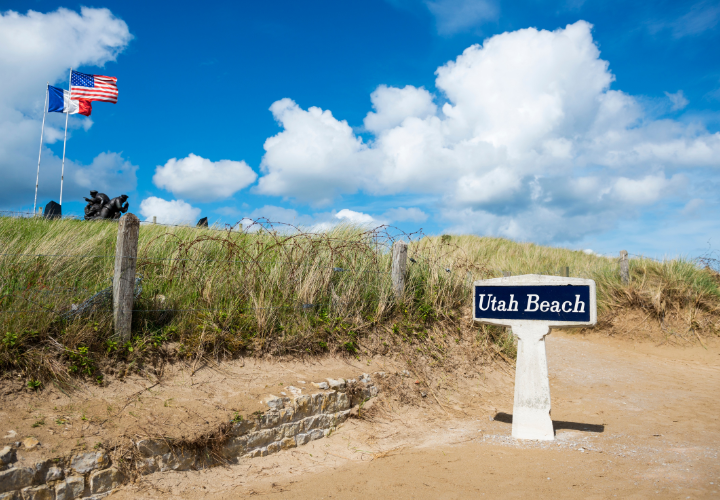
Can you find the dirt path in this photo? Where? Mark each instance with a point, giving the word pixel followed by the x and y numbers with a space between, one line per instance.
pixel 632 421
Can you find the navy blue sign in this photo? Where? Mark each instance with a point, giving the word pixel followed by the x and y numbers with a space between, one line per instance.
pixel 533 302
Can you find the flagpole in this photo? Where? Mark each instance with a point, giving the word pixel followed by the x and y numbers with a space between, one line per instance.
pixel 67 115
pixel 42 130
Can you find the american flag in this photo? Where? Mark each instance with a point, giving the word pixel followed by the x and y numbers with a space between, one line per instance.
pixel 93 87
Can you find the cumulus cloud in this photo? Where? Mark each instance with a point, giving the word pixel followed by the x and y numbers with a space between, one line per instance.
pixel 315 158
pixel 393 105
pixel 530 142
pixel 39 47
pixel 169 212
pixel 200 179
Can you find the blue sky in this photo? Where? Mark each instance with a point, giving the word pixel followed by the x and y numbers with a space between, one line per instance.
pixel 584 124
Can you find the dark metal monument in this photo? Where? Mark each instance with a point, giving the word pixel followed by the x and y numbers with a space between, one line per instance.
pixel 100 206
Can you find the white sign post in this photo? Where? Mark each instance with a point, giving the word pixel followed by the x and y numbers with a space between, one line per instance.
pixel 530 305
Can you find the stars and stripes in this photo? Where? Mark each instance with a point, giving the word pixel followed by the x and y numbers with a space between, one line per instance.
pixel 93 87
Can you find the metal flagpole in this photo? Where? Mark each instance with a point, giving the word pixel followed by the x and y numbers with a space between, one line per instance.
pixel 67 115
pixel 42 130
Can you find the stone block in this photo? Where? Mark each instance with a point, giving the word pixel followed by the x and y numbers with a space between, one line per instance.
pixel 310 423
pixel 336 383
pixel 147 466
pixel 105 480
pixel 273 448
pixel 69 489
pixel 317 402
pixel 235 447
pixel 302 439
pixel 7 456
pixel 270 419
pixel 244 427
pixel 303 407
pixel 343 403
pixel 341 416
pixel 178 460
pixel 30 443
pixel 290 430
pixel 52 474
pixel 274 402
pixel 152 447
pixel 321 385
pixel 288 443
pixel 86 462
pixel 316 434
pixel 15 479
pixel 260 438
pixel 328 404
pixel 11 495
pixel 43 492
pixel 287 415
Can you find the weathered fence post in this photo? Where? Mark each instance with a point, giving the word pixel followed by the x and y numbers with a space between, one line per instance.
pixel 624 267
pixel 566 271
pixel 399 266
pixel 124 279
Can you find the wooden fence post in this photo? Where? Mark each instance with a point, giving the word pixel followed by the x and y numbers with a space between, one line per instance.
pixel 124 279
pixel 624 267
pixel 399 266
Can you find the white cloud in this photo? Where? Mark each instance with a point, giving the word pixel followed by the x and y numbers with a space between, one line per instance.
pixel 169 212
pixel 107 172
pixel 200 179
pixel 647 190
pixel 393 105
pixel 530 140
pixel 678 100
pixel 282 218
pixel 39 47
pixel 347 215
pixel 314 159
pixel 401 214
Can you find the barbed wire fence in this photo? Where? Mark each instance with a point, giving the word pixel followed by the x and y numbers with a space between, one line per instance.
pixel 282 245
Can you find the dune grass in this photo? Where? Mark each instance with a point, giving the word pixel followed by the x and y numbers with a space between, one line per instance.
pixel 215 293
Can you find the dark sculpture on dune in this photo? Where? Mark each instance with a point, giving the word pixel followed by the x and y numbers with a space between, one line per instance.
pixel 100 206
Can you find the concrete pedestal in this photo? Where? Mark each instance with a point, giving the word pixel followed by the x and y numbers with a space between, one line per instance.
pixel 531 410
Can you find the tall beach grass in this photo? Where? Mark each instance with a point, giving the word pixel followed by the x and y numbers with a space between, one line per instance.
pixel 216 293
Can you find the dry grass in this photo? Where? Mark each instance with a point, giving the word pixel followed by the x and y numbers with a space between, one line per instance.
pixel 210 293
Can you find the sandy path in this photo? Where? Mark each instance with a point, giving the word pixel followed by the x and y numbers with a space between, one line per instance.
pixel 632 421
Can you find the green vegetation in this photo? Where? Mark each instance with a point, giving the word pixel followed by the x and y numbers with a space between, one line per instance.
pixel 214 293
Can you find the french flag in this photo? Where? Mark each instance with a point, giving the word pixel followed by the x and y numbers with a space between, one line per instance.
pixel 59 101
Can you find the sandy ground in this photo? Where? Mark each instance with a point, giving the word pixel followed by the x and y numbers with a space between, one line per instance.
pixel 632 421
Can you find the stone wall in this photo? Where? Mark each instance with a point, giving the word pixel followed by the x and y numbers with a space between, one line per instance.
pixel 290 422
